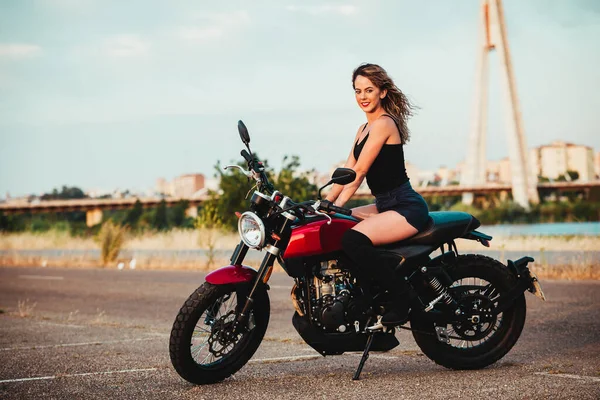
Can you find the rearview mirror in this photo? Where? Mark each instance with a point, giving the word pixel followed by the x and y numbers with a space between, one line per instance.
pixel 243 133
pixel 343 176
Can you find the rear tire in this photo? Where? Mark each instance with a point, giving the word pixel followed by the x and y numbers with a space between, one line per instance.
pixel 204 318
pixel 502 337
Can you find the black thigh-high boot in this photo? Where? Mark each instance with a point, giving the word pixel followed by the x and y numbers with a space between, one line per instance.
pixel 370 264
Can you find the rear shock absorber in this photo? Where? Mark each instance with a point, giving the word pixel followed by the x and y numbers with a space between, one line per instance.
pixel 440 291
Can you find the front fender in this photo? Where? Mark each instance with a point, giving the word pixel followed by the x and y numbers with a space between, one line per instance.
pixel 231 274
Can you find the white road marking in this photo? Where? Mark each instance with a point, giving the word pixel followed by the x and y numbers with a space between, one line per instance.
pixel 382 357
pixel 53 346
pixel 61 325
pixel 40 378
pixel 284 359
pixel 571 376
pixel 43 277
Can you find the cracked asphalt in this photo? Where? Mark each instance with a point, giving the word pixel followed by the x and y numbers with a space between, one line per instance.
pixel 94 333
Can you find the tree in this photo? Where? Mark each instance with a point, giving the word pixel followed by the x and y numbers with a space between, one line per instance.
pixel 160 221
pixel 234 186
pixel 573 175
pixel 178 216
pixel 293 183
pixel 11 223
pixel 65 194
pixel 133 215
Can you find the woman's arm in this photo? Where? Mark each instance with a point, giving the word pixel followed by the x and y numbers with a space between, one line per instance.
pixel 381 130
pixel 337 189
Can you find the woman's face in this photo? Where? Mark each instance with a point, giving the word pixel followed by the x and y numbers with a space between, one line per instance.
pixel 368 96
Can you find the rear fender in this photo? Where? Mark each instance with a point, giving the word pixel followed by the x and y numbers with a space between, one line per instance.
pixel 526 280
pixel 232 274
pixel 478 236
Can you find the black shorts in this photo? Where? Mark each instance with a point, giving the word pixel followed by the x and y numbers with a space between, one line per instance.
pixel 406 202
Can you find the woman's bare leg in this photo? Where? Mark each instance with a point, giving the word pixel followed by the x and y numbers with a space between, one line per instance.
pixel 385 227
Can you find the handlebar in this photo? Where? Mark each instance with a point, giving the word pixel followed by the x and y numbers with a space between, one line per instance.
pixel 329 206
pixel 257 170
pixel 324 205
pixel 246 156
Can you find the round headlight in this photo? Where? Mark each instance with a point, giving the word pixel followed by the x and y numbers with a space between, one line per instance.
pixel 252 230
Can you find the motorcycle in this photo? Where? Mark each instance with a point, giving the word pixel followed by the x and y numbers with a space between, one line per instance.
pixel 466 310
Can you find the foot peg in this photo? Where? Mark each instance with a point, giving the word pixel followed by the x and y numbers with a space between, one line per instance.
pixel 377 326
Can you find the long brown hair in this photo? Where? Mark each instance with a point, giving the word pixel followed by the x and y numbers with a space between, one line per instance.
pixel 395 103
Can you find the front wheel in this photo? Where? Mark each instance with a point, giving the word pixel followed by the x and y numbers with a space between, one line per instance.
pixel 205 346
pixel 478 283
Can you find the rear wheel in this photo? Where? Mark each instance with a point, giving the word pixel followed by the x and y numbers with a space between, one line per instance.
pixel 205 347
pixel 478 283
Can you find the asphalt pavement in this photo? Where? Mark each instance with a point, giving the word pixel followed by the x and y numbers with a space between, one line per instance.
pixel 94 333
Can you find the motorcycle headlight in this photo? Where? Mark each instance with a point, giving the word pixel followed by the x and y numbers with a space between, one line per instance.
pixel 252 230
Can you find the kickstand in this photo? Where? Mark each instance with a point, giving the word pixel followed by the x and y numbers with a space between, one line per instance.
pixel 364 358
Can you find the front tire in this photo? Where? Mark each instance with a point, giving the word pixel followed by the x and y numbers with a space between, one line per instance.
pixel 203 347
pixel 478 346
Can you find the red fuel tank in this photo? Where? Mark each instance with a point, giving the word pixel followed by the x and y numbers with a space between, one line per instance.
pixel 317 237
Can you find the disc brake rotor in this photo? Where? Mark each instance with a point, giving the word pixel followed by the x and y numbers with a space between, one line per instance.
pixel 479 317
pixel 222 334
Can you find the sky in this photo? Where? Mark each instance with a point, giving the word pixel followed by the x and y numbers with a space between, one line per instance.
pixel 105 94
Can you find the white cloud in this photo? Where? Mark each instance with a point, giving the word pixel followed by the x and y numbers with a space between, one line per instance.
pixel 213 25
pixel 341 9
pixel 17 50
pixel 125 46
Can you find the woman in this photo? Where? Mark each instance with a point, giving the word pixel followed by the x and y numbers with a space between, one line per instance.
pixel 377 155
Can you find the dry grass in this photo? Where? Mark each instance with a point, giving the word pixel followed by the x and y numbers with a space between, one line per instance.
pixel 44 241
pixel 182 239
pixel 25 308
pixel 99 318
pixel 111 238
pixel 170 262
pixel 172 240
pixel 579 266
pixel 536 243
pixel 188 239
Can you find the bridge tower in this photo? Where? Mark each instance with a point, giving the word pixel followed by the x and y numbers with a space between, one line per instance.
pixel 492 36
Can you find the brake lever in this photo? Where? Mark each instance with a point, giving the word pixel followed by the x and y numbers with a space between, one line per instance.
pixel 249 174
pixel 315 206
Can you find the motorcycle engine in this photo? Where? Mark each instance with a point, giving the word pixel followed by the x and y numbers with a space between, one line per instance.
pixel 333 296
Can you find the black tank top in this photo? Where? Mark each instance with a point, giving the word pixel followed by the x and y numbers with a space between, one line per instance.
pixel 388 171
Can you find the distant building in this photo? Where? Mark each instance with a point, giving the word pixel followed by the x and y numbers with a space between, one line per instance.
pixel 164 187
pixel 553 160
pixel 596 165
pixel 498 171
pixel 182 186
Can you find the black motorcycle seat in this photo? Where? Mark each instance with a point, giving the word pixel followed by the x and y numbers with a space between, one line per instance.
pixel 443 226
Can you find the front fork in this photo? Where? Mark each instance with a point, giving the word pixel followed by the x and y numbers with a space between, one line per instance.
pixel 262 277
pixel 266 267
